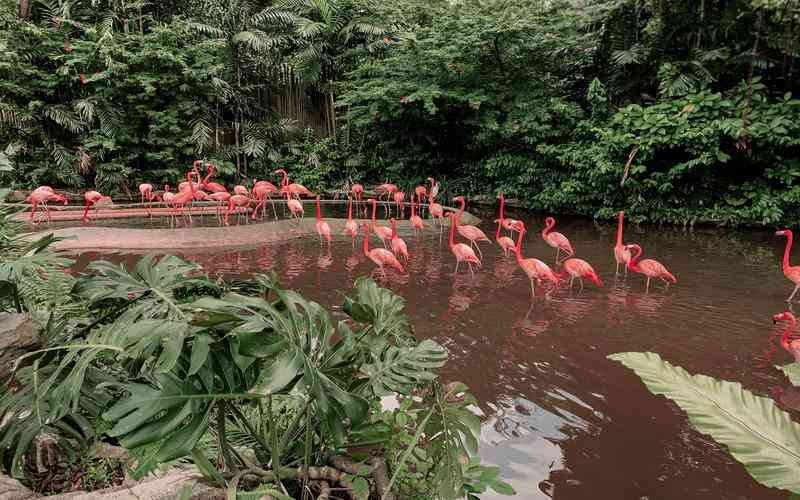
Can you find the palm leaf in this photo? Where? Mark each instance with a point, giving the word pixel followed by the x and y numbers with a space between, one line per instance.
pixel 757 433
pixel 400 369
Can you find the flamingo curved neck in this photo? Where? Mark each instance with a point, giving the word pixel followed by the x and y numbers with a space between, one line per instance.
pixel 787 250
pixel 413 213
pixel 374 208
pixel 547 228
pixel 394 229
pixel 518 247
pixel 633 264
pixel 461 207
pixel 619 229
pixel 453 224
pixel 365 245
pixel 349 209
pixel 319 214
pixel 191 184
pixel 502 207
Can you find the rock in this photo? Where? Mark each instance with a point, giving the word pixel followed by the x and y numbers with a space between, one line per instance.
pixel 19 334
pixel 11 489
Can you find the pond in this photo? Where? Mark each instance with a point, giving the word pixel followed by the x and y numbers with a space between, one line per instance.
pixel 557 413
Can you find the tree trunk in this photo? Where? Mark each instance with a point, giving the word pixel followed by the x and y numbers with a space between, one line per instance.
pixel 24 9
pixel 744 142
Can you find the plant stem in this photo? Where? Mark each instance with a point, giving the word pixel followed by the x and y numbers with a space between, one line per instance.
pixel 405 455
pixel 223 438
pixel 206 467
pixel 275 451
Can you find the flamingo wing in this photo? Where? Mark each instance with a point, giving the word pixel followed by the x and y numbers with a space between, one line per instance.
pixel 506 243
pixel 465 253
pixel 655 269
pixel 387 258
pixel 472 233
pixel 558 240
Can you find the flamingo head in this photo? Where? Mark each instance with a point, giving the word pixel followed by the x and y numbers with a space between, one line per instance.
pixel 458 199
pixel 280 171
pixel 783 232
pixel 430 179
pixel 634 247
pixel 784 316
pixel 372 200
pixel 519 226
pixel 549 221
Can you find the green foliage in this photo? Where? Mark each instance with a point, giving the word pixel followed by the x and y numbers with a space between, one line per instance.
pixel 757 433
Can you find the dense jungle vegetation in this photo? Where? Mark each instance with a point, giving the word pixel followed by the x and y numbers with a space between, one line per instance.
pixel 680 111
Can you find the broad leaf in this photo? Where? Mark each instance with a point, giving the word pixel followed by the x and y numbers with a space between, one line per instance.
pixel 792 371
pixel 757 433
pixel 400 369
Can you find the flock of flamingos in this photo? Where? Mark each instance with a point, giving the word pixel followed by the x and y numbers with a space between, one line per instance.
pixel 198 188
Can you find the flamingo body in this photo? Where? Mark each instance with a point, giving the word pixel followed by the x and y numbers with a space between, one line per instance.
pixel 648 267
pixel 579 268
pixel 556 240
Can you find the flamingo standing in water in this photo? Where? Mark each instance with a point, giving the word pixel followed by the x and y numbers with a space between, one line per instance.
pixel 184 197
pixel 435 209
pixel 505 242
pixel 399 197
pixel 556 240
pixel 649 267
pixel 323 228
pixel 416 220
pixel 535 269
pixel 235 202
pixel 212 187
pixel 40 196
pixel 386 189
pixel 791 343
pixel 220 197
pixel 621 254
pixel 92 199
pixel 380 256
pixel 399 246
pixel 461 251
pixel 145 191
pixel 507 223
pixel 358 193
pixel 421 192
pixel 263 190
pixel 241 190
pixel 382 232
pixel 295 207
pixel 350 227
pixel 792 273
pixel 472 233
pixel 579 268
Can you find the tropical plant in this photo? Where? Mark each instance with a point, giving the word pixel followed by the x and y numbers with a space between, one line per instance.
pixel 756 432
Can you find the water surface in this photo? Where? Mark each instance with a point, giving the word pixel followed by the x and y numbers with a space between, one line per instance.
pixel 557 413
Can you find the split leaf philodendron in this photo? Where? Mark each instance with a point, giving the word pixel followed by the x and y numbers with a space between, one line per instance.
pixel 758 433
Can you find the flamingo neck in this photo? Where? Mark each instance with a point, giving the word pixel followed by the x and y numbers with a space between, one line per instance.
pixel 394 229
pixel 374 208
pixel 619 229
pixel 285 181
pixel 453 224
pixel 349 209
pixel 633 264
pixel 365 245
pixel 319 214
pixel 547 228
pixel 518 247
pixel 209 174
pixel 499 224
pixel 502 207
pixel 461 208
pixel 191 184
pixel 413 213
pixel 787 250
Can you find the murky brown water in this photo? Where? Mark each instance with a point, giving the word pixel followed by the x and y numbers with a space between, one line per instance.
pixel 556 409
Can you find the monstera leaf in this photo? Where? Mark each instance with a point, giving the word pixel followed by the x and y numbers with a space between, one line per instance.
pixel 381 308
pixel 152 284
pixel 757 433
pixel 400 369
pixel 173 413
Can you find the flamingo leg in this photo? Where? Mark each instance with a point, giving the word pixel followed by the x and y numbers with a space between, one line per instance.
pixel 533 290
pixel 616 273
pixel 797 287
pixel 470 269
pixel 558 251
pixel 580 280
pixel 571 281
pixel 647 288
pixel 457 263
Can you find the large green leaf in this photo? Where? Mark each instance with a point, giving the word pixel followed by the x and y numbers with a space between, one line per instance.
pixel 400 369
pixel 755 430
pixel 380 307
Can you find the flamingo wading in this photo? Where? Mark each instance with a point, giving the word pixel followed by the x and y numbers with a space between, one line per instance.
pixel 792 273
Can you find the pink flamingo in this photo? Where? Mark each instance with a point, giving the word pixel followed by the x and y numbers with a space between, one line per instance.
pixel 472 233
pixel 168 196
pixel 621 254
pixel 792 273
pixel 556 240
pixel 350 227
pixel 220 197
pixel 235 202
pixel 579 268
pixel 382 232
pixel 241 190
pixel 509 224
pixel 295 207
pixel 791 343
pixel 386 189
pixel 183 186
pixel 399 246
pixel 183 198
pixel 380 256
pixel 649 267
pixel 358 193
pixel 92 198
pixel 421 192
pixel 323 228
pixel 262 190
pixel 416 220
pixel 40 196
pixel 145 191
pixel 399 197
pixel 461 251
pixel 294 188
pixel 535 269
pixel 505 242
pixel 435 209
pixel 212 187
